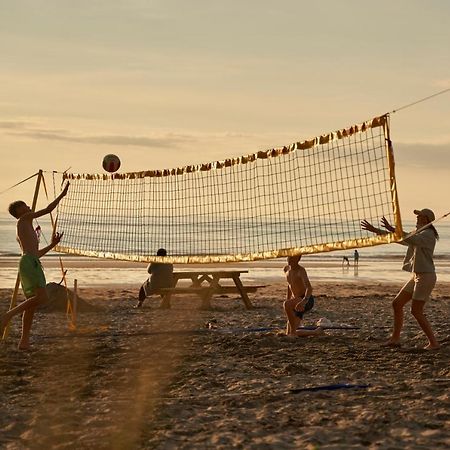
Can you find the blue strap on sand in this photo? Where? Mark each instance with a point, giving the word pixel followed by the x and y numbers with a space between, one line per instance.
pixel 331 327
pixel 329 387
pixel 265 329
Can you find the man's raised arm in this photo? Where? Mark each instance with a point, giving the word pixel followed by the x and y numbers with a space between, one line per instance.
pixel 52 205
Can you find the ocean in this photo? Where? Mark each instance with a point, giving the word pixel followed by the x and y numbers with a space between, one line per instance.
pixel 377 264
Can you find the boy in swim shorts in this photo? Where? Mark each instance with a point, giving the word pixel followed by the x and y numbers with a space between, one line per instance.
pixel 299 298
pixel 31 274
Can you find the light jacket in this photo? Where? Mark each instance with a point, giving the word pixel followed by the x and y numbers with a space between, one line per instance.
pixel 419 256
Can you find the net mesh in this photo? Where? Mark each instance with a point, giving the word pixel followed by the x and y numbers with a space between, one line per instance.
pixel 306 198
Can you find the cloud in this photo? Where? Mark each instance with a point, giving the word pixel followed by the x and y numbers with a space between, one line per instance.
pixel 27 130
pixel 35 131
pixel 13 125
pixel 168 140
pixel 424 156
pixel 413 154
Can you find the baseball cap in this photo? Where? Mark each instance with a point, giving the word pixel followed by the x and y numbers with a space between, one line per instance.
pixel 425 212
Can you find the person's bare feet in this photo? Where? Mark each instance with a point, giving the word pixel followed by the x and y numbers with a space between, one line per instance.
pixel 392 343
pixel 430 346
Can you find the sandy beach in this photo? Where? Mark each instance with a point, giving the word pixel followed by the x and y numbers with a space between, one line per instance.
pixel 152 378
pixel 225 139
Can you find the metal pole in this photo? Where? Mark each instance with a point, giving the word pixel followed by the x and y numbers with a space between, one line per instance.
pixel 393 183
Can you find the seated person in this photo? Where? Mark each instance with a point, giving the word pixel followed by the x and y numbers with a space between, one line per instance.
pixel 299 298
pixel 161 276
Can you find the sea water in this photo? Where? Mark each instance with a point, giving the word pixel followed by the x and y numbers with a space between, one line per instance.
pixel 377 264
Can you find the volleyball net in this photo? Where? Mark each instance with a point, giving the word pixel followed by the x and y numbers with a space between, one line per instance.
pixel 308 197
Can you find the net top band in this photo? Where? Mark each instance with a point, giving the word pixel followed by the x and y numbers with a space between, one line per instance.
pixel 263 154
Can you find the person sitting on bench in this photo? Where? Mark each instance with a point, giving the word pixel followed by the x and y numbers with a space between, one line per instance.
pixel 161 276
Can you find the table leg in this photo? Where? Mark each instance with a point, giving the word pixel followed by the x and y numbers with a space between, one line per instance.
pixel 213 285
pixel 207 296
pixel 206 299
pixel 207 278
pixel 241 289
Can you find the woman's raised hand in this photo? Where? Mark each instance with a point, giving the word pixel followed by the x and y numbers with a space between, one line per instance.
pixel 368 226
pixel 387 225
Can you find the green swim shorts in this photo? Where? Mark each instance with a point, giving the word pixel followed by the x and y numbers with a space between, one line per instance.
pixel 31 274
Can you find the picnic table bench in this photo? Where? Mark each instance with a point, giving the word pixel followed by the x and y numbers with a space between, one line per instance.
pixel 205 284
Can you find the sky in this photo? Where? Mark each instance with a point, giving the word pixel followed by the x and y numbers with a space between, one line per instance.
pixel 166 83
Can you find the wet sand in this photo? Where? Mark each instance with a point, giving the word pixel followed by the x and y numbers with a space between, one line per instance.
pixel 153 378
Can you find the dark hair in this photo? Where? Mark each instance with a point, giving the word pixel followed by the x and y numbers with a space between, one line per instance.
pixel 12 208
pixel 161 252
pixel 436 234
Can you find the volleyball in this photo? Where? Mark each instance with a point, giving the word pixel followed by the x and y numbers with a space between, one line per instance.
pixel 111 163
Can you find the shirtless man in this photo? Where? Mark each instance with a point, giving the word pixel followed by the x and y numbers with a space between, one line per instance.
pixel 31 274
pixel 299 298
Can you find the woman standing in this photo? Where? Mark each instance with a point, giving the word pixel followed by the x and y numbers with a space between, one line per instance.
pixel 419 261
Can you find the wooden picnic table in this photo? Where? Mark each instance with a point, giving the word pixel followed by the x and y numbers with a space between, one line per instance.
pixel 207 283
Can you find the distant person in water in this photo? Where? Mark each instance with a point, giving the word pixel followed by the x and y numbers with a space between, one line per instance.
pixel 161 276
pixel 30 270
pixel 299 299
pixel 419 261
pixel 356 257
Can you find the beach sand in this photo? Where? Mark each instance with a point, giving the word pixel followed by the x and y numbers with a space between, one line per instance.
pixel 153 378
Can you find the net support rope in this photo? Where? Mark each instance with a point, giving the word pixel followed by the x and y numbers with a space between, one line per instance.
pixel 305 198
